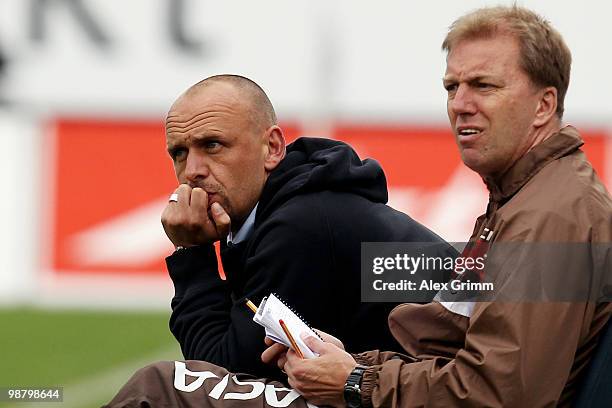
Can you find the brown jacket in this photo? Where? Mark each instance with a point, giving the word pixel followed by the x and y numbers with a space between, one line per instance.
pixel 516 353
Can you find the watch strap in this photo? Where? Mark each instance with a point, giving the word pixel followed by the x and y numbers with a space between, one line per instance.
pixel 352 387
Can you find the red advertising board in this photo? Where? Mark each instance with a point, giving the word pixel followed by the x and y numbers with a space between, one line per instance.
pixel 110 181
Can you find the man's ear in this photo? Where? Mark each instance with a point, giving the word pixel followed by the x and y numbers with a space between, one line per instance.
pixel 547 106
pixel 275 148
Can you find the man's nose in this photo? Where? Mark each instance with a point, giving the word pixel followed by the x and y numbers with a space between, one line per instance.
pixel 462 101
pixel 196 166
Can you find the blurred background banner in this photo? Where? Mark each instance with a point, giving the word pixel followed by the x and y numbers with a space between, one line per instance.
pixel 111 180
pixel 84 89
pixel 333 59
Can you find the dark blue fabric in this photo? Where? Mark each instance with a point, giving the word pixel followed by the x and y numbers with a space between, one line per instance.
pixel 596 388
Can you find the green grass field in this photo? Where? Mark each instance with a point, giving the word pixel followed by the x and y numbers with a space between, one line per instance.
pixel 89 353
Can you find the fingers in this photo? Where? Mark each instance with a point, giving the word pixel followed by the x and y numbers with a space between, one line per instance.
pixel 328 338
pixel 290 362
pixel 281 362
pixel 273 353
pixel 315 344
pixel 184 195
pixel 221 219
pixel 199 202
pixel 320 380
pixel 199 207
pixel 290 358
pixel 187 222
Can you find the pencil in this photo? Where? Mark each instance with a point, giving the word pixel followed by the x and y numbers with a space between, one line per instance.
pixel 294 345
pixel 251 306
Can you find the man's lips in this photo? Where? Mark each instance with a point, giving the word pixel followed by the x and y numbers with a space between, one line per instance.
pixel 466 134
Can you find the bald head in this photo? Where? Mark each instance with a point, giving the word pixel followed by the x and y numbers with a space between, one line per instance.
pixel 250 95
pixel 222 137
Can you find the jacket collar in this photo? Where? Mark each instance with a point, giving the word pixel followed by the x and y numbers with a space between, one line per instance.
pixel 558 145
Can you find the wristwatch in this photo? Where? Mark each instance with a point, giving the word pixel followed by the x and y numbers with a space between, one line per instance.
pixel 352 387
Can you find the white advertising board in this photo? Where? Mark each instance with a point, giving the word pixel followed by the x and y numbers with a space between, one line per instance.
pixel 344 58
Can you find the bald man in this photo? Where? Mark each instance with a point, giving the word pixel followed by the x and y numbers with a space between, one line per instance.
pixel 290 221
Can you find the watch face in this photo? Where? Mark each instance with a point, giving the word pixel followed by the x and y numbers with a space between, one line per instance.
pixel 352 396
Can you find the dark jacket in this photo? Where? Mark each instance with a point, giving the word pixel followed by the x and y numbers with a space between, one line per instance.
pixel 315 210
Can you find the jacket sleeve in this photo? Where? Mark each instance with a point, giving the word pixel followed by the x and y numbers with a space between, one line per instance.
pixel 202 301
pixel 376 357
pixel 513 357
pixel 290 256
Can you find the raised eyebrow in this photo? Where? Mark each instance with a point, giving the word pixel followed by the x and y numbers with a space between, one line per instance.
pixel 481 78
pixel 171 147
pixel 476 79
pixel 448 80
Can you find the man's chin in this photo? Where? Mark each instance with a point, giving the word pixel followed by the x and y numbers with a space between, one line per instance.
pixel 476 163
pixel 472 159
pixel 484 169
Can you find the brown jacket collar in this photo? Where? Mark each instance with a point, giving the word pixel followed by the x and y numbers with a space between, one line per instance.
pixel 558 145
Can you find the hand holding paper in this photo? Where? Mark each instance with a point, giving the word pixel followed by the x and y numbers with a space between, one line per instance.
pixel 269 314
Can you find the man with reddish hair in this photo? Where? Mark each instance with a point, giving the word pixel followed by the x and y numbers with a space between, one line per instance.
pixel 548 224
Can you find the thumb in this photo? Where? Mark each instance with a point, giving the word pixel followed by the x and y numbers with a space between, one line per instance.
pixel 221 218
pixel 315 344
